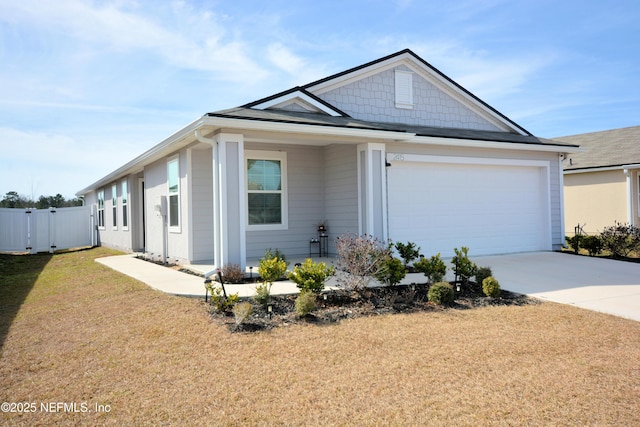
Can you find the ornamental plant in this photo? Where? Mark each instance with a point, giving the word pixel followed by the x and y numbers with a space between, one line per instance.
pixel 463 267
pixel 408 251
pixel 219 301
pixel 311 275
pixel 433 268
pixel 391 271
pixel 270 268
pixel 441 293
pixel 491 287
pixel 621 239
pixel 360 257
pixel 305 302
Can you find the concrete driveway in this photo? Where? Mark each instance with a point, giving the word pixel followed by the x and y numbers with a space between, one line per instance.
pixel 602 285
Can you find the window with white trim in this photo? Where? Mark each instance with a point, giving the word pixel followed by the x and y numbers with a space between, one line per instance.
pixel 266 184
pixel 404 89
pixel 173 183
pixel 114 205
pixel 101 209
pixel 124 196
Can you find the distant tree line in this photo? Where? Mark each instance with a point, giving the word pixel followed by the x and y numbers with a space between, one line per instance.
pixel 14 200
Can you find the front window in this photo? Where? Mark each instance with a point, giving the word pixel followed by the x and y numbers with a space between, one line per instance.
pixel 266 190
pixel 114 205
pixel 173 181
pixel 101 208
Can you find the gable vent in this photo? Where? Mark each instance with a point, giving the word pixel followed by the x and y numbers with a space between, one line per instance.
pixel 404 89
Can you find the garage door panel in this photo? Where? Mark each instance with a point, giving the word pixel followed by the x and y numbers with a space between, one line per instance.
pixel 491 209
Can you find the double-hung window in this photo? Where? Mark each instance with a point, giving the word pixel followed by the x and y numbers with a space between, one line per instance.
pixel 101 209
pixel 114 205
pixel 173 182
pixel 125 198
pixel 266 179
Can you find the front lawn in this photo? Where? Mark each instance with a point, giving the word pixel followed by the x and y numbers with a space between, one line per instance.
pixel 76 332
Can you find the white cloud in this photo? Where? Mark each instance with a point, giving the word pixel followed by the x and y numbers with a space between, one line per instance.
pixel 186 38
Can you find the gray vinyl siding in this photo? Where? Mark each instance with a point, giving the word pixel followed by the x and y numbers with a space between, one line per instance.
pixel 202 204
pixel 341 191
pixel 373 98
pixel 306 202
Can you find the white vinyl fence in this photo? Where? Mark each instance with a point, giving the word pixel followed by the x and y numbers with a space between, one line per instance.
pixel 46 230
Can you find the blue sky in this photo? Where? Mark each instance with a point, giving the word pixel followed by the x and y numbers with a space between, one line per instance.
pixel 85 86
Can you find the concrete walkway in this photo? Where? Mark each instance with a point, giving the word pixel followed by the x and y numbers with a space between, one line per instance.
pixel 602 285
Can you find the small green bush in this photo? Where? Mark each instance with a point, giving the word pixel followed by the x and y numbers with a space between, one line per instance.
pixel 621 239
pixel 463 267
pixel 574 242
pixel 271 269
pixel 263 294
pixel 242 311
pixel 391 271
pixel 408 251
pixel 305 303
pixel 491 287
pixel 482 273
pixel 311 275
pixel 593 245
pixel 232 273
pixel 219 302
pixel 434 268
pixel 441 293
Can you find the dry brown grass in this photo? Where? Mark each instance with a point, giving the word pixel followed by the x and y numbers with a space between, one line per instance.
pixel 87 334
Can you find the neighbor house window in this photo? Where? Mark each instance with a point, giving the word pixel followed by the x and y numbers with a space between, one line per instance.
pixel 125 198
pixel 101 208
pixel 114 205
pixel 266 190
pixel 173 181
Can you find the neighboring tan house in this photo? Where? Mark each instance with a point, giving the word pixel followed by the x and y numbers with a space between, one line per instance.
pixel 601 183
pixel 392 148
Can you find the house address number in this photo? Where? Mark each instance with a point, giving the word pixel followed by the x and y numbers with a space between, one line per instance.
pixel 399 157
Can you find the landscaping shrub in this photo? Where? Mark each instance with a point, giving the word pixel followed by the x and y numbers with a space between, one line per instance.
pixel 271 269
pixel 360 257
pixel 593 244
pixel 407 251
pixel 621 239
pixel 218 300
pixel 232 273
pixel 242 311
pixel 482 273
pixel 305 303
pixel 391 271
pixel 275 253
pixel 311 275
pixel 463 267
pixel 263 294
pixel 434 268
pixel 574 242
pixel 491 287
pixel 441 293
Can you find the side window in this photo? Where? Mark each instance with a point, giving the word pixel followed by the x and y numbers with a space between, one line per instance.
pixel 101 208
pixel 124 196
pixel 114 205
pixel 173 182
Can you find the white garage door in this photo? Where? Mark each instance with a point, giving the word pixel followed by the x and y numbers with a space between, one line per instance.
pixel 490 208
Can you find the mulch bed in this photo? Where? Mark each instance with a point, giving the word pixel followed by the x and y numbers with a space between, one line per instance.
pixel 334 306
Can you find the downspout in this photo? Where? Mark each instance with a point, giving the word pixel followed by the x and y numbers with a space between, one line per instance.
pixel 627 173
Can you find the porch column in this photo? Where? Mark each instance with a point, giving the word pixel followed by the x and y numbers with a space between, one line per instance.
pixel 372 190
pixel 229 223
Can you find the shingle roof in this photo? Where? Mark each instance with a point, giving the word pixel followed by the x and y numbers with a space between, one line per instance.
pixel 607 148
pixel 295 117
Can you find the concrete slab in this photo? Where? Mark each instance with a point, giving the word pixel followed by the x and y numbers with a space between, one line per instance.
pixel 603 285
